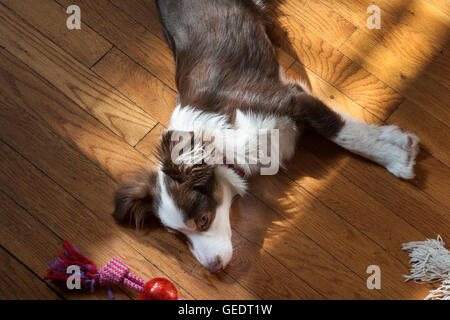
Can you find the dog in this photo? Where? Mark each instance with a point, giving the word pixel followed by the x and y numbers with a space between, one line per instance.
pixel 231 86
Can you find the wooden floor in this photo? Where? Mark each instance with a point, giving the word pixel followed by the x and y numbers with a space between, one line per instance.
pixel 81 109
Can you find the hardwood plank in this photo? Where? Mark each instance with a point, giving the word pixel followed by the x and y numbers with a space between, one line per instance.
pixel 76 81
pixel 150 142
pixel 280 238
pixel 156 98
pixel 260 272
pixel 441 5
pixel 18 283
pixel 130 37
pixel 158 246
pixel 319 19
pixel 35 246
pixel 302 257
pixel 434 135
pixel 336 235
pixel 277 237
pixel 402 37
pixel 56 111
pixel 71 165
pixel 398 70
pixel 398 18
pixel 50 19
pixel 432 176
pixel 144 12
pixel 414 206
pixel 338 70
pixel 421 16
pixel 439 66
pixel 409 77
pixel 284 59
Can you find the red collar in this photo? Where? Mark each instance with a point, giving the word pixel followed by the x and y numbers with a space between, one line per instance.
pixel 233 167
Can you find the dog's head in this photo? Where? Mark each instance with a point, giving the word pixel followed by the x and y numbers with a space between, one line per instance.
pixel 193 200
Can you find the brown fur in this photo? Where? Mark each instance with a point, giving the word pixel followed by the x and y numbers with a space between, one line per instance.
pixel 225 61
pixel 137 199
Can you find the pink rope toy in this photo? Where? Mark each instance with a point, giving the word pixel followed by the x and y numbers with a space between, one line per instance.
pixel 114 272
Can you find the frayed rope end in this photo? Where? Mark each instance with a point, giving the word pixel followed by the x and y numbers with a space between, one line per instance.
pixel 430 263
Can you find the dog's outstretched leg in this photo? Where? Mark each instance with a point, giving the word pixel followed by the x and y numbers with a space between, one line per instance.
pixel 388 145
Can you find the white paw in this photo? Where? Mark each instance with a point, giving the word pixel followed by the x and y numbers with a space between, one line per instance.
pixel 402 168
pixel 404 146
pixel 399 137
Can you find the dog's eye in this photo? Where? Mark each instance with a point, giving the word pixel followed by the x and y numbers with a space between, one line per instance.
pixel 203 222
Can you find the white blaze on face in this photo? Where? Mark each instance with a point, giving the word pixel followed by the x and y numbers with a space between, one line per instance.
pixel 212 248
pixel 168 212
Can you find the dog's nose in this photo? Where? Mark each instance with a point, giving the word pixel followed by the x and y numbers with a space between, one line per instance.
pixel 216 266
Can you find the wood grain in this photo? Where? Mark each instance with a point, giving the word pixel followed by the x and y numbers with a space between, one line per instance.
pixel 409 77
pixel 75 80
pixel 150 142
pixel 319 19
pixel 35 245
pixel 56 111
pixel 49 18
pixel 139 85
pixel 338 70
pixel 399 17
pixel 144 12
pixel 130 37
pixel 299 205
pixel 18 283
pixel 434 135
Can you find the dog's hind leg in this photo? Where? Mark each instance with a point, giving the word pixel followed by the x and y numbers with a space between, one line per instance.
pixel 387 145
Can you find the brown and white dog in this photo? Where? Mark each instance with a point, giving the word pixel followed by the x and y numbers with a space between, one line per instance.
pixel 231 85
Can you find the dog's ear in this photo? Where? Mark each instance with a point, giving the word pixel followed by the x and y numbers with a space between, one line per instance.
pixel 135 200
pixel 173 145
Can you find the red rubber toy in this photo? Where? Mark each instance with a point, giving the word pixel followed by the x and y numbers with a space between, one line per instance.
pixel 159 289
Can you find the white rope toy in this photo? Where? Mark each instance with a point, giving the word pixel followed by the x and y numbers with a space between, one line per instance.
pixel 430 263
